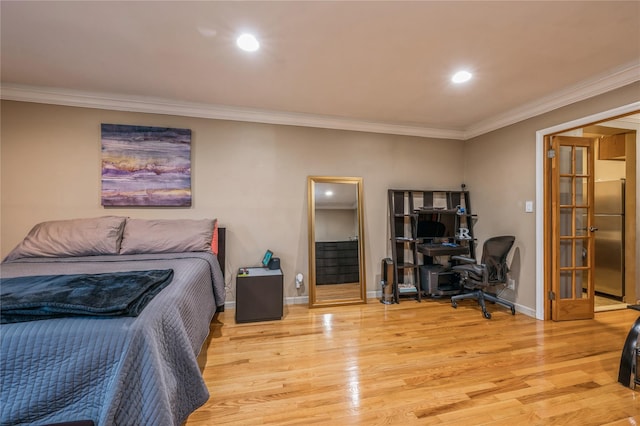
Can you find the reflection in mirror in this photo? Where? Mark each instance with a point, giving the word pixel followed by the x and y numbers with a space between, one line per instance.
pixel 336 247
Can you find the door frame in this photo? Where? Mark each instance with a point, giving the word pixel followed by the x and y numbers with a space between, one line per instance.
pixel 542 312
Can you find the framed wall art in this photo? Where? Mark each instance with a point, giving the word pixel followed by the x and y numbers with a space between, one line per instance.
pixel 145 166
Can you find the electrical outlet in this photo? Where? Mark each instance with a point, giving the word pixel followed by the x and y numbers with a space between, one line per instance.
pixel 511 284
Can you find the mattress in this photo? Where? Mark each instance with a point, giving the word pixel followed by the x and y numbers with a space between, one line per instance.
pixel 126 370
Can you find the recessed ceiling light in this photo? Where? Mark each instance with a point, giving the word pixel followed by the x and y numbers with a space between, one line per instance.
pixel 461 77
pixel 328 193
pixel 248 43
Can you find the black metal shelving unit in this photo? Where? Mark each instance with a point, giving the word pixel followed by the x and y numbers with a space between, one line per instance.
pixel 411 250
pixel 404 245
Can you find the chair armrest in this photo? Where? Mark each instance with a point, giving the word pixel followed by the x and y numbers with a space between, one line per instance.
pixel 485 274
pixel 463 259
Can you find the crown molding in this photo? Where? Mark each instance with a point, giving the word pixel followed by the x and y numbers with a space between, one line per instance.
pixel 75 98
pixel 617 78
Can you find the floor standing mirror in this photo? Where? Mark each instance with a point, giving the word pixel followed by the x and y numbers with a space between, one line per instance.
pixel 336 241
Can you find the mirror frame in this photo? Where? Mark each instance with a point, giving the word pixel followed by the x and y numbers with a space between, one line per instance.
pixel 311 180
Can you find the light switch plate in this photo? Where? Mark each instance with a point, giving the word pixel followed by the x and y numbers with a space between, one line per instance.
pixel 528 206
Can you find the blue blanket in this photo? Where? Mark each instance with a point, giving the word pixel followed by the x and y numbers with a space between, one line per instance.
pixel 104 295
pixel 122 371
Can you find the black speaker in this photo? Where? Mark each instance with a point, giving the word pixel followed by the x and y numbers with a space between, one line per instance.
pixel 274 263
pixel 387 281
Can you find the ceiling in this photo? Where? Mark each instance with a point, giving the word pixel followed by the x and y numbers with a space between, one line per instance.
pixel 335 196
pixel 381 66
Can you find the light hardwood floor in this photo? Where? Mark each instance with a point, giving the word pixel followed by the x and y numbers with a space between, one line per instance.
pixel 337 291
pixel 416 363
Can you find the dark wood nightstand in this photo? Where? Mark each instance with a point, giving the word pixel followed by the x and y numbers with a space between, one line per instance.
pixel 259 295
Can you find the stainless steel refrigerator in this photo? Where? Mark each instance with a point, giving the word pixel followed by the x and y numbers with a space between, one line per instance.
pixel 609 238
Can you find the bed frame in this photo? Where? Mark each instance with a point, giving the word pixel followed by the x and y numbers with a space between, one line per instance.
pixel 222 248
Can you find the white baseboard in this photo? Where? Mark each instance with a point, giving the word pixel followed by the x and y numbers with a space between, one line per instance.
pixel 376 294
pixel 297 300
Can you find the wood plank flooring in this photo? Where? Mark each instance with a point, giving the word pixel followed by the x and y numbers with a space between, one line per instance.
pixel 331 292
pixel 416 363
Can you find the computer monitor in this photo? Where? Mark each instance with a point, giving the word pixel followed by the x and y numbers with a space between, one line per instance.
pixel 437 227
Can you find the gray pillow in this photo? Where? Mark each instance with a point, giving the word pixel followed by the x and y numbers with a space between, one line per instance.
pixel 166 235
pixel 74 237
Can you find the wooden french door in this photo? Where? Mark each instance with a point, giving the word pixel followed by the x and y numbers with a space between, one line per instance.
pixel 571 178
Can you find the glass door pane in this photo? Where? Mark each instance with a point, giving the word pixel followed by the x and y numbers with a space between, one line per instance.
pixel 573 217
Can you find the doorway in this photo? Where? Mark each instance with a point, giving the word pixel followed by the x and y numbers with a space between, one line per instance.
pixel 547 266
pixel 611 171
pixel 570 230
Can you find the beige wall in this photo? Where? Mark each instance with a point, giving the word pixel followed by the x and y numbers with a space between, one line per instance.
pixel 336 224
pixel 252 177
pixel 500 173
pixel 609 169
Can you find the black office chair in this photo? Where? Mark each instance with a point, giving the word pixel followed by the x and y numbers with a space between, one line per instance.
pixel 491 272
pixel 628 374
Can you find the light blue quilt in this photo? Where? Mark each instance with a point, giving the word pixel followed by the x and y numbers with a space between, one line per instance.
pixel 115 371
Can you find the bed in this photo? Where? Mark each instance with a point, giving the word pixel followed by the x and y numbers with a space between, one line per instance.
pixel 111 370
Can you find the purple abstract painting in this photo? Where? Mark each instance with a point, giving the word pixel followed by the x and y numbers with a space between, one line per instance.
pixel 146 166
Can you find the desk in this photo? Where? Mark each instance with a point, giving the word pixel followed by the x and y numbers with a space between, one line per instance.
pixel 432 250
pixel 437 280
